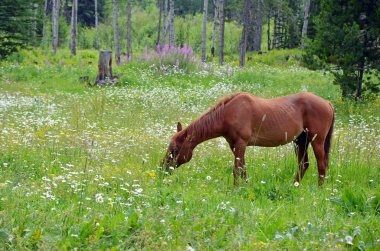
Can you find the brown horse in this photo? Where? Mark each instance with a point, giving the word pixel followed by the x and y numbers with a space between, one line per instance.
pixel 245 120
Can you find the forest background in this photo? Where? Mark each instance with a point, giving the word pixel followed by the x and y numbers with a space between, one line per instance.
pixel 340 36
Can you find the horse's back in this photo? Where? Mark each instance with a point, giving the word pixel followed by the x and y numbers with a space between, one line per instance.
pixel 277 121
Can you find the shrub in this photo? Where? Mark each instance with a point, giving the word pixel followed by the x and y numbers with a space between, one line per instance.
pixel 171 58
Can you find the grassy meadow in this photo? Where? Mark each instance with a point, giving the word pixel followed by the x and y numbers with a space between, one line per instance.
pixel 79 166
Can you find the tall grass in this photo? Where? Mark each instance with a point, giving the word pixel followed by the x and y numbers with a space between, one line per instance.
pixel 78 165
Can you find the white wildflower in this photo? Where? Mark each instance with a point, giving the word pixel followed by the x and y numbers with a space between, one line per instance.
pixel 190 248
pixel 99 198
pixel 349 240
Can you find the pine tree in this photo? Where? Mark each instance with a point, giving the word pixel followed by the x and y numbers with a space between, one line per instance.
pixel 348 36
pixel 14 25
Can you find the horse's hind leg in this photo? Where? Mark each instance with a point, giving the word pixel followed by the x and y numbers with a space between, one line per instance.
pixel 301 145
pixel 319 151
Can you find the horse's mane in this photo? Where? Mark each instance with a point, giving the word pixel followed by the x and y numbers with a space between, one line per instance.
pixel 200 127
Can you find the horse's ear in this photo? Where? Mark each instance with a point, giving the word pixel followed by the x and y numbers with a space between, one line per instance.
pixel 179 127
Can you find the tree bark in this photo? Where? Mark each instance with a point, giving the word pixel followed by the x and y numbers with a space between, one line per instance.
pixel 166 11
pixel 104 68
pixel 160 5
pixel 216 17
pixel 116 32
pixel 96 25
pixel 73 37
pixel 243 44
pixel 305 22
pixel 204 30
pixel 171 23
pixel 166 22
pixel 358 94
pixel 55 13
pixel 258 31
pixel 274 41
pixel 129 31
pixel 362 61
pixel 221 33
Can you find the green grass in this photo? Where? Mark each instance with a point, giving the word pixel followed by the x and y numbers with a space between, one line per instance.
pixel 79 165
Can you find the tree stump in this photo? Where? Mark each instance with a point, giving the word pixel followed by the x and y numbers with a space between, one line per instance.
pixel 104 68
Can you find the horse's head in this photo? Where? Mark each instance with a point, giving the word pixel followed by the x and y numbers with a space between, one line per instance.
pixel 180 150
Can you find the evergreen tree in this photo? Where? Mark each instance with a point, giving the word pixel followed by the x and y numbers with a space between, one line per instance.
pixel 347 36
pixel 86 11
pixel 15 25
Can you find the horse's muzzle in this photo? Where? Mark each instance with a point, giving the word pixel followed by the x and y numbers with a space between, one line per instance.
pixel 168 164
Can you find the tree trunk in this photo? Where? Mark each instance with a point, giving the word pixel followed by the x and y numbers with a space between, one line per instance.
pixel 166 22
pixel 258 26
pixel 171 23
pixel 96 25
pixel 216 17
pixel 44 21
pixel 279 31
pixel 104 68
pixel 274 41
pixel 166 12
pixel 358 94
pixel 129 31
pixel 268 33
pixel 160 5
pixel 116 32
pixel 251 26
pixel 73 38
pixel 365 45
pixel 305 22
pixel 55 13
pixel 204 27
pixel 243 44
pixel 221 33
pixel 44 26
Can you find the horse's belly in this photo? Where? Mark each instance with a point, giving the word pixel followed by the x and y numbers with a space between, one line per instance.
pixel 272 139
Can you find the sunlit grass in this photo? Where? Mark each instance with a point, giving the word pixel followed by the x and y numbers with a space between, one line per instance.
pixel 79 165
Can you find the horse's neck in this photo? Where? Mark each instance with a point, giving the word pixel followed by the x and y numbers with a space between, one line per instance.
pixel 200 131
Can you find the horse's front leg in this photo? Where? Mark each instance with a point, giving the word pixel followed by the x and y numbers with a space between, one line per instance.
pixel 239 168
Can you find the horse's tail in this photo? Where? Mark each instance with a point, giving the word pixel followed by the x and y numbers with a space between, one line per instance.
pixel 329 137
